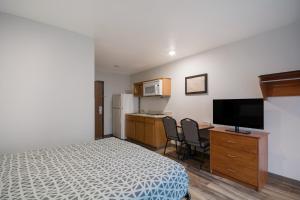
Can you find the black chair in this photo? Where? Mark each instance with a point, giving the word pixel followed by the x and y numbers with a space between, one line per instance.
pixel 192 137
pixel 171 131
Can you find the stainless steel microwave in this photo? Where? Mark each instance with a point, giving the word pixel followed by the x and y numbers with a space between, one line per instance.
pixel 153 88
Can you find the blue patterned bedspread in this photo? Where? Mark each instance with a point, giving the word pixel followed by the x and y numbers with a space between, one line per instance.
pixel 105 169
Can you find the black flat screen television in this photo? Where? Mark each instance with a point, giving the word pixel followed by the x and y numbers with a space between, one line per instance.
pixel 247 113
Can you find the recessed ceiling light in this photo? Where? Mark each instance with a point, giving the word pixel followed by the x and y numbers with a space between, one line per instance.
pixel 172 53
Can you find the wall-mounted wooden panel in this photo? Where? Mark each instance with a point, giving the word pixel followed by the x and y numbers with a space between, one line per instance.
pixel 280 84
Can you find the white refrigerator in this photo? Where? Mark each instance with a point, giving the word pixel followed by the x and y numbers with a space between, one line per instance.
pixel 122 104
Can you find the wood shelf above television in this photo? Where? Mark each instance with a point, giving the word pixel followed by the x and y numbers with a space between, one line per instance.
pixel 280 84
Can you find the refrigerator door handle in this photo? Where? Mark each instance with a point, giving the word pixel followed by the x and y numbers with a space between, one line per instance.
pixel 100 110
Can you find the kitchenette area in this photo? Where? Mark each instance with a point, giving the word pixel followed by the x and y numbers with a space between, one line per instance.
pixel 134 124
pixel 147 129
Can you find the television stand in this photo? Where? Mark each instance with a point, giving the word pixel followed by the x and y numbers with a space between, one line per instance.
pixel 237 130
pixel 239 157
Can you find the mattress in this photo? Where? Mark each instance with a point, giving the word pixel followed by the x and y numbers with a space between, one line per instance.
pixel 105 169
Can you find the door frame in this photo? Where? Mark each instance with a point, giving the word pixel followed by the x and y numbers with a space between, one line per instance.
pixel 96 113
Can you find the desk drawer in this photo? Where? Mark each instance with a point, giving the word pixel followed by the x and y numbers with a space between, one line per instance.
pixel 149 120
pixel 235 142
pixel 237 158
pixel 139 119
pixel 130 117
pixel 231 164
pixel 135 118
pixel 242 174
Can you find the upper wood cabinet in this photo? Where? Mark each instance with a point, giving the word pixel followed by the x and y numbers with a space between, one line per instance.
pixel 138 89
pixel 166 87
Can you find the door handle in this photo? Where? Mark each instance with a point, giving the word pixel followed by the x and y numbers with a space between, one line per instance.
pixel 100 110
pixel 231 156
pixel 231 170
pixel 231 142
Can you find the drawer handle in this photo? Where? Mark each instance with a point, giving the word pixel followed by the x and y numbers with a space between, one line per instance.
pixel 231 142
pixel 231 156
pixel 231 170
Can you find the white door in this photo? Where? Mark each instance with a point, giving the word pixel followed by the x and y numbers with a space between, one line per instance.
pixel 116 112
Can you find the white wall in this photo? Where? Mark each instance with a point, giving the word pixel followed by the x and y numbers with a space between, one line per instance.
pixel 46 85
pixel 113 84
pixel 233 73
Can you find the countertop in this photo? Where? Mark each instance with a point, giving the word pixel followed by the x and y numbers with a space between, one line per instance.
pixel 147 115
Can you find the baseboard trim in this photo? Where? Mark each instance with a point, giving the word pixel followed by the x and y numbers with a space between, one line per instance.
pixel 284 179
pixel 108 136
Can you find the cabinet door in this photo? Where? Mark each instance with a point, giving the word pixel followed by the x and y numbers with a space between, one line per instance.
pixel 130 129
pixel 166 87
pixel 141 90
pixel 138 89
pixel 140 131
pixel 160 134
pixel 150 138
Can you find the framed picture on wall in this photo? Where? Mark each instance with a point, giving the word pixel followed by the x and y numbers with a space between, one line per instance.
pixel 196 84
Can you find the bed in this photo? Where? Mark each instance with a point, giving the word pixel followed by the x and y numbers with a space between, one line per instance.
pixel 104 169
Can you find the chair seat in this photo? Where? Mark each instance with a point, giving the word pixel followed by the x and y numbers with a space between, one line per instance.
pixel 180 135
pixel 202 144
pixel 205 143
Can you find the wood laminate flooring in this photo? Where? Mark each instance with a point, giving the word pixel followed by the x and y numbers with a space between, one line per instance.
pixel 205 186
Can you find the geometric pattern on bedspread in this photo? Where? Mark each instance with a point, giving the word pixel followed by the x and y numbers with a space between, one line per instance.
pixel 104 169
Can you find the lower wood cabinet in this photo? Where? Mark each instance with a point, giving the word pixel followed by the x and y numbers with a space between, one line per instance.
pixel 139 131
pixel 146 130
pixel 130 128
pixel 243 158
pixel 150 136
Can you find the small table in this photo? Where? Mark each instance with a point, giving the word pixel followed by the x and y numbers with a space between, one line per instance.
pixel 203 129
pixel 201 125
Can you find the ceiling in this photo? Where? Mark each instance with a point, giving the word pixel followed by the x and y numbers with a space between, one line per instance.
pixel 138 34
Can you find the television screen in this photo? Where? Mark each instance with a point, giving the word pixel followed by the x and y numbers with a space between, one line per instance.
pixel 239 112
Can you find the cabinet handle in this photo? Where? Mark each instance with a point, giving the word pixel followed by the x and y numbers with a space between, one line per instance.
pixel 231 142
pixel 231 156
pixel 231 170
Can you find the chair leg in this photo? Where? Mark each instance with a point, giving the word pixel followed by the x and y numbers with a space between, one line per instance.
pixel 186 151
pixel 189 151
pixel 176 145
pixel 166 146
pixel 181 152
pixel 178 152
pixel 188 196
pixel 192 152
pixel 202 161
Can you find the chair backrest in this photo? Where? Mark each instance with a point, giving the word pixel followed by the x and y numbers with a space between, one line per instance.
pixel 190 131
pixel 170 126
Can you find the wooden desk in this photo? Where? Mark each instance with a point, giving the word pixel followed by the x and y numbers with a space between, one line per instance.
pixel 203 129
pixel 201 125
